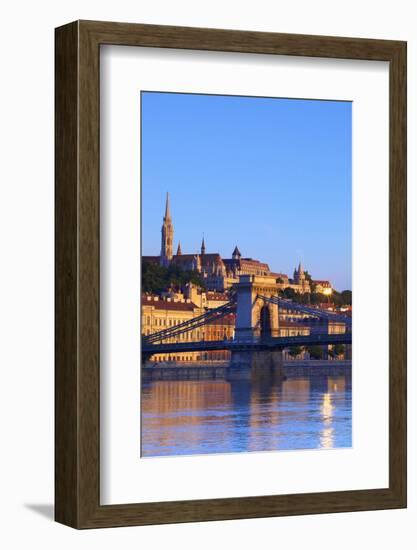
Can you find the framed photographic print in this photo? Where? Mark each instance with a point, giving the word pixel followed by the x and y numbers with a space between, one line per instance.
pixel 230 274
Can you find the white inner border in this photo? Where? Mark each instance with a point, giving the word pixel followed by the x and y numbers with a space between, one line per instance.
pixel 125 477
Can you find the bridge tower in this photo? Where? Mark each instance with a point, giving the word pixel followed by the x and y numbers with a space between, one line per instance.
pixel 256 318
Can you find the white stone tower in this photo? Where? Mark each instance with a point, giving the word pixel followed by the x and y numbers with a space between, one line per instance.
pixel 301 274
pixel 167 241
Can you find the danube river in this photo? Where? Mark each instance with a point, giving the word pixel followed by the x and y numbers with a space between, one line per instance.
pixel 216 416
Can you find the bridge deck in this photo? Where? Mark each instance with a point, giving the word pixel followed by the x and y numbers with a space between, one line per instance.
pixel 262 345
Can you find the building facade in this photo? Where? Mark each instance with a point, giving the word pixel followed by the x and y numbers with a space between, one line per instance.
pixel 161 313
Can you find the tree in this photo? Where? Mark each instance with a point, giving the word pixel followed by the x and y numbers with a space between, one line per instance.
pixel 339 349
pixel 310 280
pixel 318 298
pixel 295 350
pixel 316 352
pixel 300 298
pixel 289 293
pixel 343 298
pixel 157 278
pixel 346 297
pixel 153 277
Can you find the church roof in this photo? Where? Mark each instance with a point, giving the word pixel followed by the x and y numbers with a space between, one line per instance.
pixel 210 258
pixel 183 258
pixel 205 259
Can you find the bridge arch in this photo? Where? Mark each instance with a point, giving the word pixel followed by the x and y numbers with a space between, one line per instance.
pixel 265 322
pixel 256 317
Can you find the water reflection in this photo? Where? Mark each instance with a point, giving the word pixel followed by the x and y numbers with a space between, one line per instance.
pixel 202 417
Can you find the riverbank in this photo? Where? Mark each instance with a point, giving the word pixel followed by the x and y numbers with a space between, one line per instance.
pixel 222 370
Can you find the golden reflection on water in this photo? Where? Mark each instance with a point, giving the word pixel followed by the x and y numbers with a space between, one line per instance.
pixel 326 435
pixel 335 386
pixel 292 391
pixel 202 416
pixel 174 405
pixel 189 394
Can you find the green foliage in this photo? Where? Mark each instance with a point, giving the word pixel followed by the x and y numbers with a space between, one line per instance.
pixel 295 350
pixel 339 349
pixel 289 293
pixel 157 278
pixel 337 298
pixel 343 298
pixel 301 298
pixel 347 297
pixel 318 298
pixel 316 352
pixel 310 298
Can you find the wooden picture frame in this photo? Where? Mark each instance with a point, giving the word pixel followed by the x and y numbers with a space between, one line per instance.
pixel 77 405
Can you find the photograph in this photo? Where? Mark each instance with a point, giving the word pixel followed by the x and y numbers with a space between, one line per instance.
pixel 246 274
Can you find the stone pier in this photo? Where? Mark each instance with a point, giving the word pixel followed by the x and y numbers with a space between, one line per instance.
pixel 257 319
pixel 256 365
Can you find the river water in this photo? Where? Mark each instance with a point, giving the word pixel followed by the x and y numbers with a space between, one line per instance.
pixel 216 416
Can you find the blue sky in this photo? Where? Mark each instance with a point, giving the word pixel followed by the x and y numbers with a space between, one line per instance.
pixel 270 175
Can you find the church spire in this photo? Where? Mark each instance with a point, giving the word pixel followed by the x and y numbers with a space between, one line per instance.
pixel 203 246
pixel 179 251
pixel 299 274
pixel 167 209
pixel 236 255
pixel 167 236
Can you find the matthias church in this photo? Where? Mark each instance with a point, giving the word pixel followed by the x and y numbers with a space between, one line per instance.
pixel 219 273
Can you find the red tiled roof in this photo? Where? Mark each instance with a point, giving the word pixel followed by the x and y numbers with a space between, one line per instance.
pixel 204 258
pixel 171 306
pixel 210 258
pixel 279 275
pixel 184 257
pixel 257 263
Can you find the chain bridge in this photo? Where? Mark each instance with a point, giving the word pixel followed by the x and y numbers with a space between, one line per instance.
pixel 259 312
